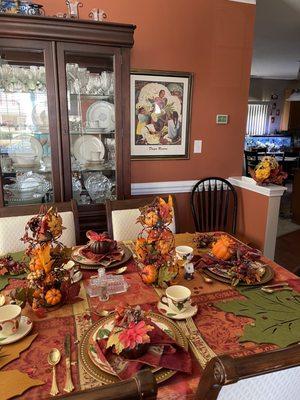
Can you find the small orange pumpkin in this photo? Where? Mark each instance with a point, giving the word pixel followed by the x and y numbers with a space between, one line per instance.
pixel 35 264
pixel 149 274
pixel 53 296
pixel 222 248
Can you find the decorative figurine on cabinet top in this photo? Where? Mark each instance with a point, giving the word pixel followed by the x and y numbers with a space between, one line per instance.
pixel 73 6
pixel 97 15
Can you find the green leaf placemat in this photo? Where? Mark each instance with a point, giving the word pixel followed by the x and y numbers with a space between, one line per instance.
pixel 276 315
pixel 4 279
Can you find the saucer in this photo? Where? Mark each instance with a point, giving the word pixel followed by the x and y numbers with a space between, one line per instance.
pixel 165 310
pixel 24 328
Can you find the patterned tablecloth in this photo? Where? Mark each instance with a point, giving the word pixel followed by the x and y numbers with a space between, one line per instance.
pixel 219 330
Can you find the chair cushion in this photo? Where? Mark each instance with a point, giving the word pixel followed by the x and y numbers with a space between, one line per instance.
pixel 280 385
pixel 13 228
pixel 125 226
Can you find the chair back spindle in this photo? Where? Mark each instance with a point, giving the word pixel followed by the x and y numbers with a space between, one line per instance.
pixel 214 205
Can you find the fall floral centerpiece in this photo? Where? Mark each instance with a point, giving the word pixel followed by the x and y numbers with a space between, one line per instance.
pixel 48 282
pixel 268 171
pixel 155 246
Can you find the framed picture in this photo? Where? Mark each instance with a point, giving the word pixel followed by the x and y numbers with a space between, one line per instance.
pixel 160 114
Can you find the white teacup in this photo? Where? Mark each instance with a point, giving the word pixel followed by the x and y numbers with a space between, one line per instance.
pixel 184 253
pixel 177 298
pixel 10 316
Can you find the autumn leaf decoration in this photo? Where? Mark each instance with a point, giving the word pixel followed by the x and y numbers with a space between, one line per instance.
pixel 276 316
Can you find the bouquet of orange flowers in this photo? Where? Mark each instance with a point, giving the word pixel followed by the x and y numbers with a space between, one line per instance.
pixel 155 246
pixel 268 171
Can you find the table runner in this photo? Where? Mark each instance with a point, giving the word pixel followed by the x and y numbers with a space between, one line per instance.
pixel 220 330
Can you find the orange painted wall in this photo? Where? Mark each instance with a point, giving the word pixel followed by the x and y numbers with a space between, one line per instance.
pixel 211 38
pixel 252 216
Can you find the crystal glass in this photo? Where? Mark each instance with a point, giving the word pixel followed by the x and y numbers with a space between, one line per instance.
pixel 25 145
pixel 91 114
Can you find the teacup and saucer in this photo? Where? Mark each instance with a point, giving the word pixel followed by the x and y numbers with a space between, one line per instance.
pixel 13 325
pixel 176 303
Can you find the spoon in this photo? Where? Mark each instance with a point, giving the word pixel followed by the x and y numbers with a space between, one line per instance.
pixel 268 290
pixel 103 313
pixel 53 359
pixel 2 300
pixel 119 271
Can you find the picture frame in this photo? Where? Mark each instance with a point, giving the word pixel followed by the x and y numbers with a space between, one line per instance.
pixel 160 108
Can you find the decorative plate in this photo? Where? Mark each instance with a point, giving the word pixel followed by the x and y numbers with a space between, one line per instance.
pixel 85 145
pixel 26 145
pixel 101 372
pixel 86 263
pixel 40 114
pixel 103 113
pixel 220 275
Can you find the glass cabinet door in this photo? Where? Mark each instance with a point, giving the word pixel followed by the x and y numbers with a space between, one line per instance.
pixel 25 143
pixel 91 125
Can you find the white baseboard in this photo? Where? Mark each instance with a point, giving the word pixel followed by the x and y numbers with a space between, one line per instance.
pixel 245 1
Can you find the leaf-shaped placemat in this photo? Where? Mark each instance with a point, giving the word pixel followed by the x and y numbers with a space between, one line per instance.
pixel 14 383
pixel 12 351
pixel 276 315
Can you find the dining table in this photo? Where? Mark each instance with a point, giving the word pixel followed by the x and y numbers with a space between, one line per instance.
pixel 211 332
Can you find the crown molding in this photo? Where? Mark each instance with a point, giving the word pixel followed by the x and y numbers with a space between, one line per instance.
pixel 245 1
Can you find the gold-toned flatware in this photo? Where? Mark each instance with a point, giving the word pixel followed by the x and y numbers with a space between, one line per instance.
pixel 2 300
pixel 54 357
pixel 69 387
pixel 206 279
pixel 103 313
pixel 277 289
pixel 119 271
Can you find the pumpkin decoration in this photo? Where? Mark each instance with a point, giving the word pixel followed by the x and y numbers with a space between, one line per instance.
pixel 222 248
pixel 100 243
pixel 53 297
pixel 149 274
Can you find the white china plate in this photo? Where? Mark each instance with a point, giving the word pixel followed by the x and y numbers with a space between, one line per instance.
pixel 104 113
pixel 26 144
pixel 39 114
pixel 24 328
pixel 167 312
pixel 85 145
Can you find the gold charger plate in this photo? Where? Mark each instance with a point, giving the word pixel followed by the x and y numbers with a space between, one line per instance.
pixel 88 264
pixel 106 378
pixel 268 276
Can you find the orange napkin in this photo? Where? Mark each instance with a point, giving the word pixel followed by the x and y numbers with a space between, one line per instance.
pixel 14 383
pixel 12 351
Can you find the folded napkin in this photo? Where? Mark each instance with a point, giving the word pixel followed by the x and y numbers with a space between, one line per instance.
pixel 163 352
pixel 115 255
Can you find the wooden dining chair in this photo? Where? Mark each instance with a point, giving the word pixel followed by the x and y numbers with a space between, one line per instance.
pixel 142 386
pixel 122 216
pixel 251 160
pixel 273 375
pixel 214 205
pixel 14 219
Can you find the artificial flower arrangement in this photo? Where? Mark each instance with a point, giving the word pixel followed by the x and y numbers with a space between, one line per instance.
pixel 48 282
pixel 241 263
pixel 268 171
pixel 130 335
pixel 155 246
pixel 9 266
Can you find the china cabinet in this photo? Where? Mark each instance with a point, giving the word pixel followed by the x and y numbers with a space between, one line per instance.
pixel 64 113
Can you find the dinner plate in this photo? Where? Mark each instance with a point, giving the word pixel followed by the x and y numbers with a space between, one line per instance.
pixel 86 263
pixel 100 372
pixel 101 113
pixel 26 145
pixel 39 114
pixel 85 145
pixel 215 273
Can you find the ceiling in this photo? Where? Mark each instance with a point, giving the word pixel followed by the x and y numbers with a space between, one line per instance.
pixel 276 51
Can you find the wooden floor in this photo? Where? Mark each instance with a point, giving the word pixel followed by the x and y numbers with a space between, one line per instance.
pixel 287 251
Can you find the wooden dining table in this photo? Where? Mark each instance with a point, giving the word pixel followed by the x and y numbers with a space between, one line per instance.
pixel 218 331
